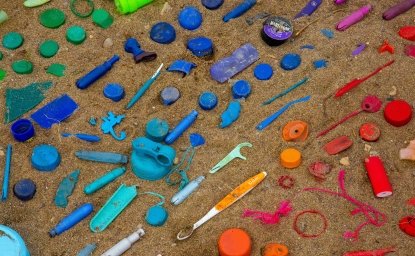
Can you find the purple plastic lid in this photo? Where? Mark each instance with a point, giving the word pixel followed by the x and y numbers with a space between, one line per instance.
pixel 278 28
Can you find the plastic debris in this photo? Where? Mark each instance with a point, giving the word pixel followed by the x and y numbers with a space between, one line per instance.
pixel 377 252
pixel 125 6
pixel 295 131
pixel 2 74
pixel 290 61
pixel 66 188
pixel 239 10
pixel 22 130
pixel 114 92
pixel 92 121
pixel 269 218
pixel 208 100
pixel 181 66
pixel 274 249
pixel 87 250
pixel 12 40
pixel 190 18
pixel 407 225
pixel 102 18
pixel 108 124
pixel 169 95
pixel 398 9
pixel 6 174
pixel 184 193
pixel 320 64
pixel 12 242
pixel 48 48
pixel 398 113
pixel 231 114
pixel 163 33
pixel 104 180
pixel 3 16
pixel 286 182
pixel 88 79
pixel 263 71
pixel 56 69
pixel 276 30
pixel 369 132
pixel 184 124
pixel 311 7
pixel 241 89
pixel 22 67
pixel 84 14
pixel 157 129
pixel 45 158
pixel 52 18
pixel 200 46
pixel 235 153
pixel 132 46
pixel 410 50
pixel 378 177
pixel 55 111
pixel 353 18
pixel 408 153
pixel 308 46
pixel 72 219
pixel 290 158
pixel 288 90
pixel 212 4
pixel 386 47
pixel 102 157
pixel 408 33
pixel 319 170
pixel 75 35
pixel 240 59
pixel 24 189
pixel 262 15
pixel 359 49
pixel 229 238
pixel 125 244
pixel 82 136
pixel 327 33
pixel 338 145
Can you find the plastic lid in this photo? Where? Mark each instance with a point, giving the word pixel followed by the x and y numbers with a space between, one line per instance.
pixel 11 243
pixel 212 4
pixel 398 113
pixel 52 18
pixel 45 158
pixel 102 18
pixel 290 61
pixel 169 95
pixel 369 132
pixel 22 67
pixel 22 130
pixel 200 46
pixel 290 158
pixel 12 40
pixel 263 71
pixel 24 189
pixel 241 89
pixel 115 92
pixel 156 215
pixel 48 48
pixel 163 33
pixel 234 242
pixel 75 34
pixel 208 100
pixel 274 249
pixel 190 18
pixel 157 129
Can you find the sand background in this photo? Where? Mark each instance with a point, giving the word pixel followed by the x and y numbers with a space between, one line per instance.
pixel 33 219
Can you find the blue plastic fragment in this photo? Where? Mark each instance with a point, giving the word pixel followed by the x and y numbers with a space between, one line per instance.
pixel 169 95
pixel 212 4
pixel 156 215
pixel 190 18
pixel 285 92
pixel 92 121
pixel 240 59
pixel 45 158
pixel 87 250
pixel 66 188
pixel 241 89
pixel 231 114
pixel 181 66
pixel 108 125
pixel 327 33
pixel 6 173
pixel 102 157
pixel 208 100
pixel 310 7
pixel 239 10
pixel 359 49
pixel 308 46
pixel 55 111
pixel 82 136
pixel 163 33
pixel 290 61
pixel 263 71
pixel 200 46
pixel 24 189
pixel 196 140
pixel 319 64
pixel 114 92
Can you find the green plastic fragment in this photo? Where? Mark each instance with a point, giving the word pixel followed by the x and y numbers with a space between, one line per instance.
pixel 56 69
pixel 48 48
pixel 2 74
pixel 12 40
pixel 52 18
pixel 34 3
pixel 22 67
pixel 20 101
pixel 75 35
pixel 3 16
pixel 66 189
pixel 102 18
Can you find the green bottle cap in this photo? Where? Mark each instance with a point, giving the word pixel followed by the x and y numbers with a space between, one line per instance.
pixel 48 48
pixel 22 67
pixel 12 40
pixel 75 34
pixel 102 18
pixel 128 6
pixel 52 18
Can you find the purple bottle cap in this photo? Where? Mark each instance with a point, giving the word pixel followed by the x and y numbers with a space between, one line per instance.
pixel 276 30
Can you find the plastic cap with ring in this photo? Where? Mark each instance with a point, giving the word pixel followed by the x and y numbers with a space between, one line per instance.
pixel 86 14
pixel 48 48
pixel 157 129
pixel 200 46
pixel 12 40
pixel 290 158
pixel 156 216
pixel 45 158
pixel 22 130
pixel 241 89
pixel 290 61
pixel 22 67
pixel 102 18
pixel 52 18
pixel 75 35
pixel 398 113
pixel 208 100
pixel 234 242
pixel 12 244
pixel 114 92
pixel 169 95
pixel 163 33
pixel 212 4
pixel 24 189
pixel 190 18
pixel 263 71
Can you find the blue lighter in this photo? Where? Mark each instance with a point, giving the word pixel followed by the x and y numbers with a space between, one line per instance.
pixel 239 10
pixel 181 127
pixel 96 73
pixel 72 219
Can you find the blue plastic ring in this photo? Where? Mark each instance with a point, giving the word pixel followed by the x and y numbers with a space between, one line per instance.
pixel 22 130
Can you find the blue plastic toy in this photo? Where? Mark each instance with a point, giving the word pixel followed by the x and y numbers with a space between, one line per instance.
pixel 181 66
pixel 241 89
pixel 231 114
pixel 24 189
pixel 208 100
pixel 157 129
pixel 200 46
pixel 22 130
pixel 114 92
pixel 110 121
pixel 212 4
pixel 151 160
pixel 190 18
pixel 263 71
pixel 290 61
pixel 184 124
pixel 132 46
pixel 45 158
pixel 11 243
pixel 95 74
pixel 239 10
pixel 163 33
pixel 72 219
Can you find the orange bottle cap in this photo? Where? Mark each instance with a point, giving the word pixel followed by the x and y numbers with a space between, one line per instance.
pixel 234 242
pixel 295 131
pixel 275 249
pixel 290 158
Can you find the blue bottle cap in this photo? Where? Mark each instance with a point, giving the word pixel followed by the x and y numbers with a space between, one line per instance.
pixel 163 33
pixel 212 4
pixel 11 243
pixel 22 130
pixel 156 215
pixel 24 189
pixel 263 71
pixel 169 95
pixel 190 18
pixel 45 158
pixel 241 89
pixel 208 100
pixel 290 61
pixel 114 92
pixel 157 129
pixel 200 46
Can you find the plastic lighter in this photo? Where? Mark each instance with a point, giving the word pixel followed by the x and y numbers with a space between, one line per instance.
pixel 353 18
pixel 239 10
pixel 104 180
pixel 180 196
pixel 309 8
pixel 181 127
pixel 125 244
pixel 72 219
pixel 102 157
pixel 398 9
pixel 85 81
pixel 378 177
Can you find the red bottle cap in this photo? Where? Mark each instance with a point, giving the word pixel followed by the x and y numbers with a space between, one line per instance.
pixel 369 132
pixel 407 225
pixel 234 242
pixel 398 113
pixel 407 32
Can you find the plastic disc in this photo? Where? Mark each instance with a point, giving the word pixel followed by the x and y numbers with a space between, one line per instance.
pixel 263 71
pixel 52 18
pixel 45 158
pixel 200 46
pixel 208 100
pixel 241 89
pixel 290 61
pixel 157 129
pixel 24 189
pixel 190 18
pixel 12 40
pixel 22 67
pixel 48 48
pixel 290 158
pixel 169 95
pixel 75 35
pixel 369 132
pixel 156 215
pixel 115 92
pixel 234 242
pixel 212 4
pixel 163 33
pixel 398 113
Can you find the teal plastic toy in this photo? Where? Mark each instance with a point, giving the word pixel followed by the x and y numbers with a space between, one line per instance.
pixel 151 160
pixel 11 243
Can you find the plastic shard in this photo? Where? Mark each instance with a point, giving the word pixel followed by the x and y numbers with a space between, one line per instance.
pixel 408 153
pixel 56 69
pixel 231 114
pixel 181 66
pixel 66 188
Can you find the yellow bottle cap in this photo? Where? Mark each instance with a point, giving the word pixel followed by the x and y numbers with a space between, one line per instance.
pixel 290 158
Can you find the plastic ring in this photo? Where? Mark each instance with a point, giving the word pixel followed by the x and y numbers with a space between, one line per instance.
pixel 82 15
pixel 303 234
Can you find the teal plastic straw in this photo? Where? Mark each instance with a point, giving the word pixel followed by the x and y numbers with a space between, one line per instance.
pixel 291 88
pixel 6 173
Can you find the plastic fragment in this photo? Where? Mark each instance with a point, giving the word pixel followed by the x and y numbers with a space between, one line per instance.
pixel 386 47
pixel 83 136
pixel 408 153
pixel 274 249
pixel 212 4
pixel 12 40
pixel 55 111
pixel 231 114
pixel 239 10
pixel 290 61
pixel 110 121
pixel 269 218
pixel 22 67
pixel 75 35
pixel 181 66
pixel 319 170
pixel 66 188
pixel 310 7
pixel 34 3
pixel 327 33
pixel 196 140
pixel 3 16
pixel 320 64
pixel 307 46
pixel 398 9
pixel 72 219
pixel 410 50
pixel 87 250
pixel 86 13
pixel 133 46
pixel 99 71
pixel 338 145
pixel 169 95
pixel 407 32
pixel 6 173
pixel 92 121
pixel 353 18
pixel 190 18
pixel 56 69
pixel 48 48
pixel 45 158
pixel 104 180
pixel 2 74
pixel 102 18
pixel 360 48
pixel 377 252
pixel 295 131
pixel 125 244
pixel 200 46
pixel 52 18
pixel 163 33
pixel 102 157
pixel 407 225
pixel 181 127
pixel 262 15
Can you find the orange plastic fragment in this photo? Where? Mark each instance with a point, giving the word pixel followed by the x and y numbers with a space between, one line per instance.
pixel 275 249
pixel 295 131
pixel 386 47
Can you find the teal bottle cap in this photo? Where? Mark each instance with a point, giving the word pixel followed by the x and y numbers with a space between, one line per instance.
pixel 157 129
pixel 12 40
pixel 11 243
pixel 48 48
pixel 102 18
pixel 52 18
pixel 156 215
pixel 45 158
pixel 75 35
pixel 22 67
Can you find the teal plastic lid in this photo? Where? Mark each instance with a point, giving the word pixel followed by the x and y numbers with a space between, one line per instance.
pixel 52 18
pixel 48 48
pixel 75 34
pixel 12 40
pixel 11 243
pixel 156 216
pixel 45 158
pixel 22 67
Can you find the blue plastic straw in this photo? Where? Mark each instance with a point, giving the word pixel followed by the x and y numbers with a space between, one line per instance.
pixel 291 88
pixel 6 173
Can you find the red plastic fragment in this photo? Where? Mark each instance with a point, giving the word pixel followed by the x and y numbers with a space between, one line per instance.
pixel 410 50
pixel 319 170
pixel 338 145
pixel 407 225
pixel 411 201
pixel 386 47
pixel 407 32
pixel 369 132
pixel 377 252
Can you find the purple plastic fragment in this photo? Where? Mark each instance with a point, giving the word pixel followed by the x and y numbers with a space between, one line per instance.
pixel 359 49
pixel 240 59
pixel 181 66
